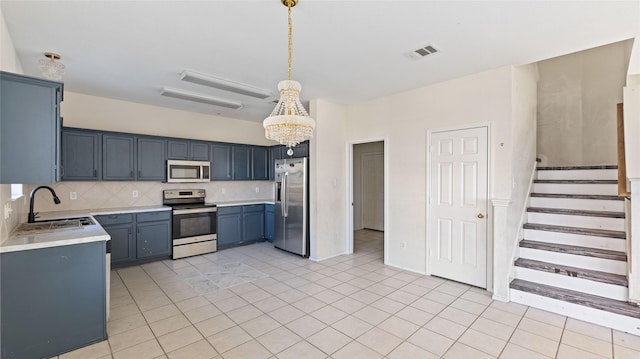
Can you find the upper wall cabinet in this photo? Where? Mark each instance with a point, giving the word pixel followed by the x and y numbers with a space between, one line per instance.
pixel 221 162
pixel 118 158
pixel 241 157
pixel 30 129
pixel 259 163
pixel 150 159
pixel 81 152
pixel 178 149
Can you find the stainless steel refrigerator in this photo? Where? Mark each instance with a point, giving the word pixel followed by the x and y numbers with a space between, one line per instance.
pixel 291 227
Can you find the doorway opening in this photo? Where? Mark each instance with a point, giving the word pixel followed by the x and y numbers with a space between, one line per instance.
pixel 367 224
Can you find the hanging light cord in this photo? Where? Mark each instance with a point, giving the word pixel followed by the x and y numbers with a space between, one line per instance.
pixel 290 39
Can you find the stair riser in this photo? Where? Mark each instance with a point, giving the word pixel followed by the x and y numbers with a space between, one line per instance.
pixel 576 188
pixel 593 263
pixel 606 290
pixel 573 203
pixel 619 322
pixel 578 175
pixel 614 224
pixel 614 244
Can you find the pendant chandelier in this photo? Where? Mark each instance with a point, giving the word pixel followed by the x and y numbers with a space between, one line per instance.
pixel 51 69
pixel 289 123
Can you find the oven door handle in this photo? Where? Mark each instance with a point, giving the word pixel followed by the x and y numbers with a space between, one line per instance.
pixel 195 210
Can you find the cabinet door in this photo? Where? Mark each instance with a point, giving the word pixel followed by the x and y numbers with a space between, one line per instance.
pixel 151 159
pixel 229 230
pixel 118 158
pixel 301 150
pixel 259 163
pixel 269 222
pixel 275 153
pixel 29 129
pixel 153 239
pixel 221 162
pixel 253 225
pixel 177 149
pixel 241 162
pixel 80 156
pixel 122 243
pixel 198 151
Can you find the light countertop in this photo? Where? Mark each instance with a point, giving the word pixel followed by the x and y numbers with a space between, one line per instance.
pixel 244 202
pixel 65 237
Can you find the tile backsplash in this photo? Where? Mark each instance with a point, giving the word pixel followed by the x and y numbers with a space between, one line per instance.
pixel 99 195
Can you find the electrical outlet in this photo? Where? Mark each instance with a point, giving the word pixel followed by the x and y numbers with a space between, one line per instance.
pixel 73 196
pixel 223 190
pixel 403 245
pixel 135 194
pixel 257 189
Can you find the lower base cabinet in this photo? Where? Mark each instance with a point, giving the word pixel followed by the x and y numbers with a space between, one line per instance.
pixel 53 300
pixel 240 225
pixel 269 221
pixel 138 238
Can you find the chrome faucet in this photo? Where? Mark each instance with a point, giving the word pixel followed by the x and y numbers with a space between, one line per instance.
pixel 32 216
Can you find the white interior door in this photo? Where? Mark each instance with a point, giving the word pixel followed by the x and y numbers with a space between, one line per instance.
pixel 373 191
pixel 457 223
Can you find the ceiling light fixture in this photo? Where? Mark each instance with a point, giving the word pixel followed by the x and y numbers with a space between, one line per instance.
pixel 222 84
pixel 197 97
pixel 289 123
pixel 51 69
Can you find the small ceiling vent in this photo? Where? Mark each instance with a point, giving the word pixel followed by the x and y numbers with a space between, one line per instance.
pixel 424 51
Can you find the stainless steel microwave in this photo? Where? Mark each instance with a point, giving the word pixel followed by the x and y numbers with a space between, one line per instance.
pixel 188 171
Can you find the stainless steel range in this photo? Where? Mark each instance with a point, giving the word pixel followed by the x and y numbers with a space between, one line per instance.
pixel 194 222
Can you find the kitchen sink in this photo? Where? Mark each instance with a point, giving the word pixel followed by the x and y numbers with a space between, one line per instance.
pixel 52 225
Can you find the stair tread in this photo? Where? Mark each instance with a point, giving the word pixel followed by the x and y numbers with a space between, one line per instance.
pixel 576 212
pixel 588 300
pixel 564 168
pixel 575 250
pixel 579 196
pixel 598 276
pixel 576 181
pixel 576 230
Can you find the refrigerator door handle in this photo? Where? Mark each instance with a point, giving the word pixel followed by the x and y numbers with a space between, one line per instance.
pixel 285 204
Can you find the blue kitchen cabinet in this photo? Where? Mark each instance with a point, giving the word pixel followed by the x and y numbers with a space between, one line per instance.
pixel 299 151
pixel 30 129
pixel 177 149
pixel 259 163
pixel 153 236
pixel 118 157
pixel 121 229
pixel 150 159
pixel 241 157
pixel 221 162
pixel 138 238
pixel 252 223
pixel 229 226
pixel 198 151
pixel 53 300
pixel 269 222
pixel 81 155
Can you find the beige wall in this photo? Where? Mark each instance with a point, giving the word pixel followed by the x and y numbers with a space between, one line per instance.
pixel 8 62
pixel 85 111
pixel 577 97
pixel 404 119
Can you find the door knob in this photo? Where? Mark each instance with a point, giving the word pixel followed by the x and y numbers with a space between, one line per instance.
pixel 480 215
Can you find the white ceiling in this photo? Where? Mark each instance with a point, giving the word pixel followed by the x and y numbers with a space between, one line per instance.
pixel 345 51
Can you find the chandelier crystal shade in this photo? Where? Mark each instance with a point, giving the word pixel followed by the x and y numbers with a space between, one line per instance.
pixel 289 123
pixel 51 69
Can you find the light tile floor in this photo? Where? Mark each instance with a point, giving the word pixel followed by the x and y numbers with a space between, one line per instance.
pixel 351 306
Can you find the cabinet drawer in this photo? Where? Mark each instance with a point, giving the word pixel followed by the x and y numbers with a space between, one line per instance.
pixel 108 219
pixel 154 216
pixel 253 208
pixel 229 210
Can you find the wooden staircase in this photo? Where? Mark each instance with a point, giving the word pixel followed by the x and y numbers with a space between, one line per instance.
pixel 572 257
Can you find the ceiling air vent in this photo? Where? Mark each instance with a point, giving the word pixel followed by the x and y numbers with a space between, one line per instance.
pixel 424 51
